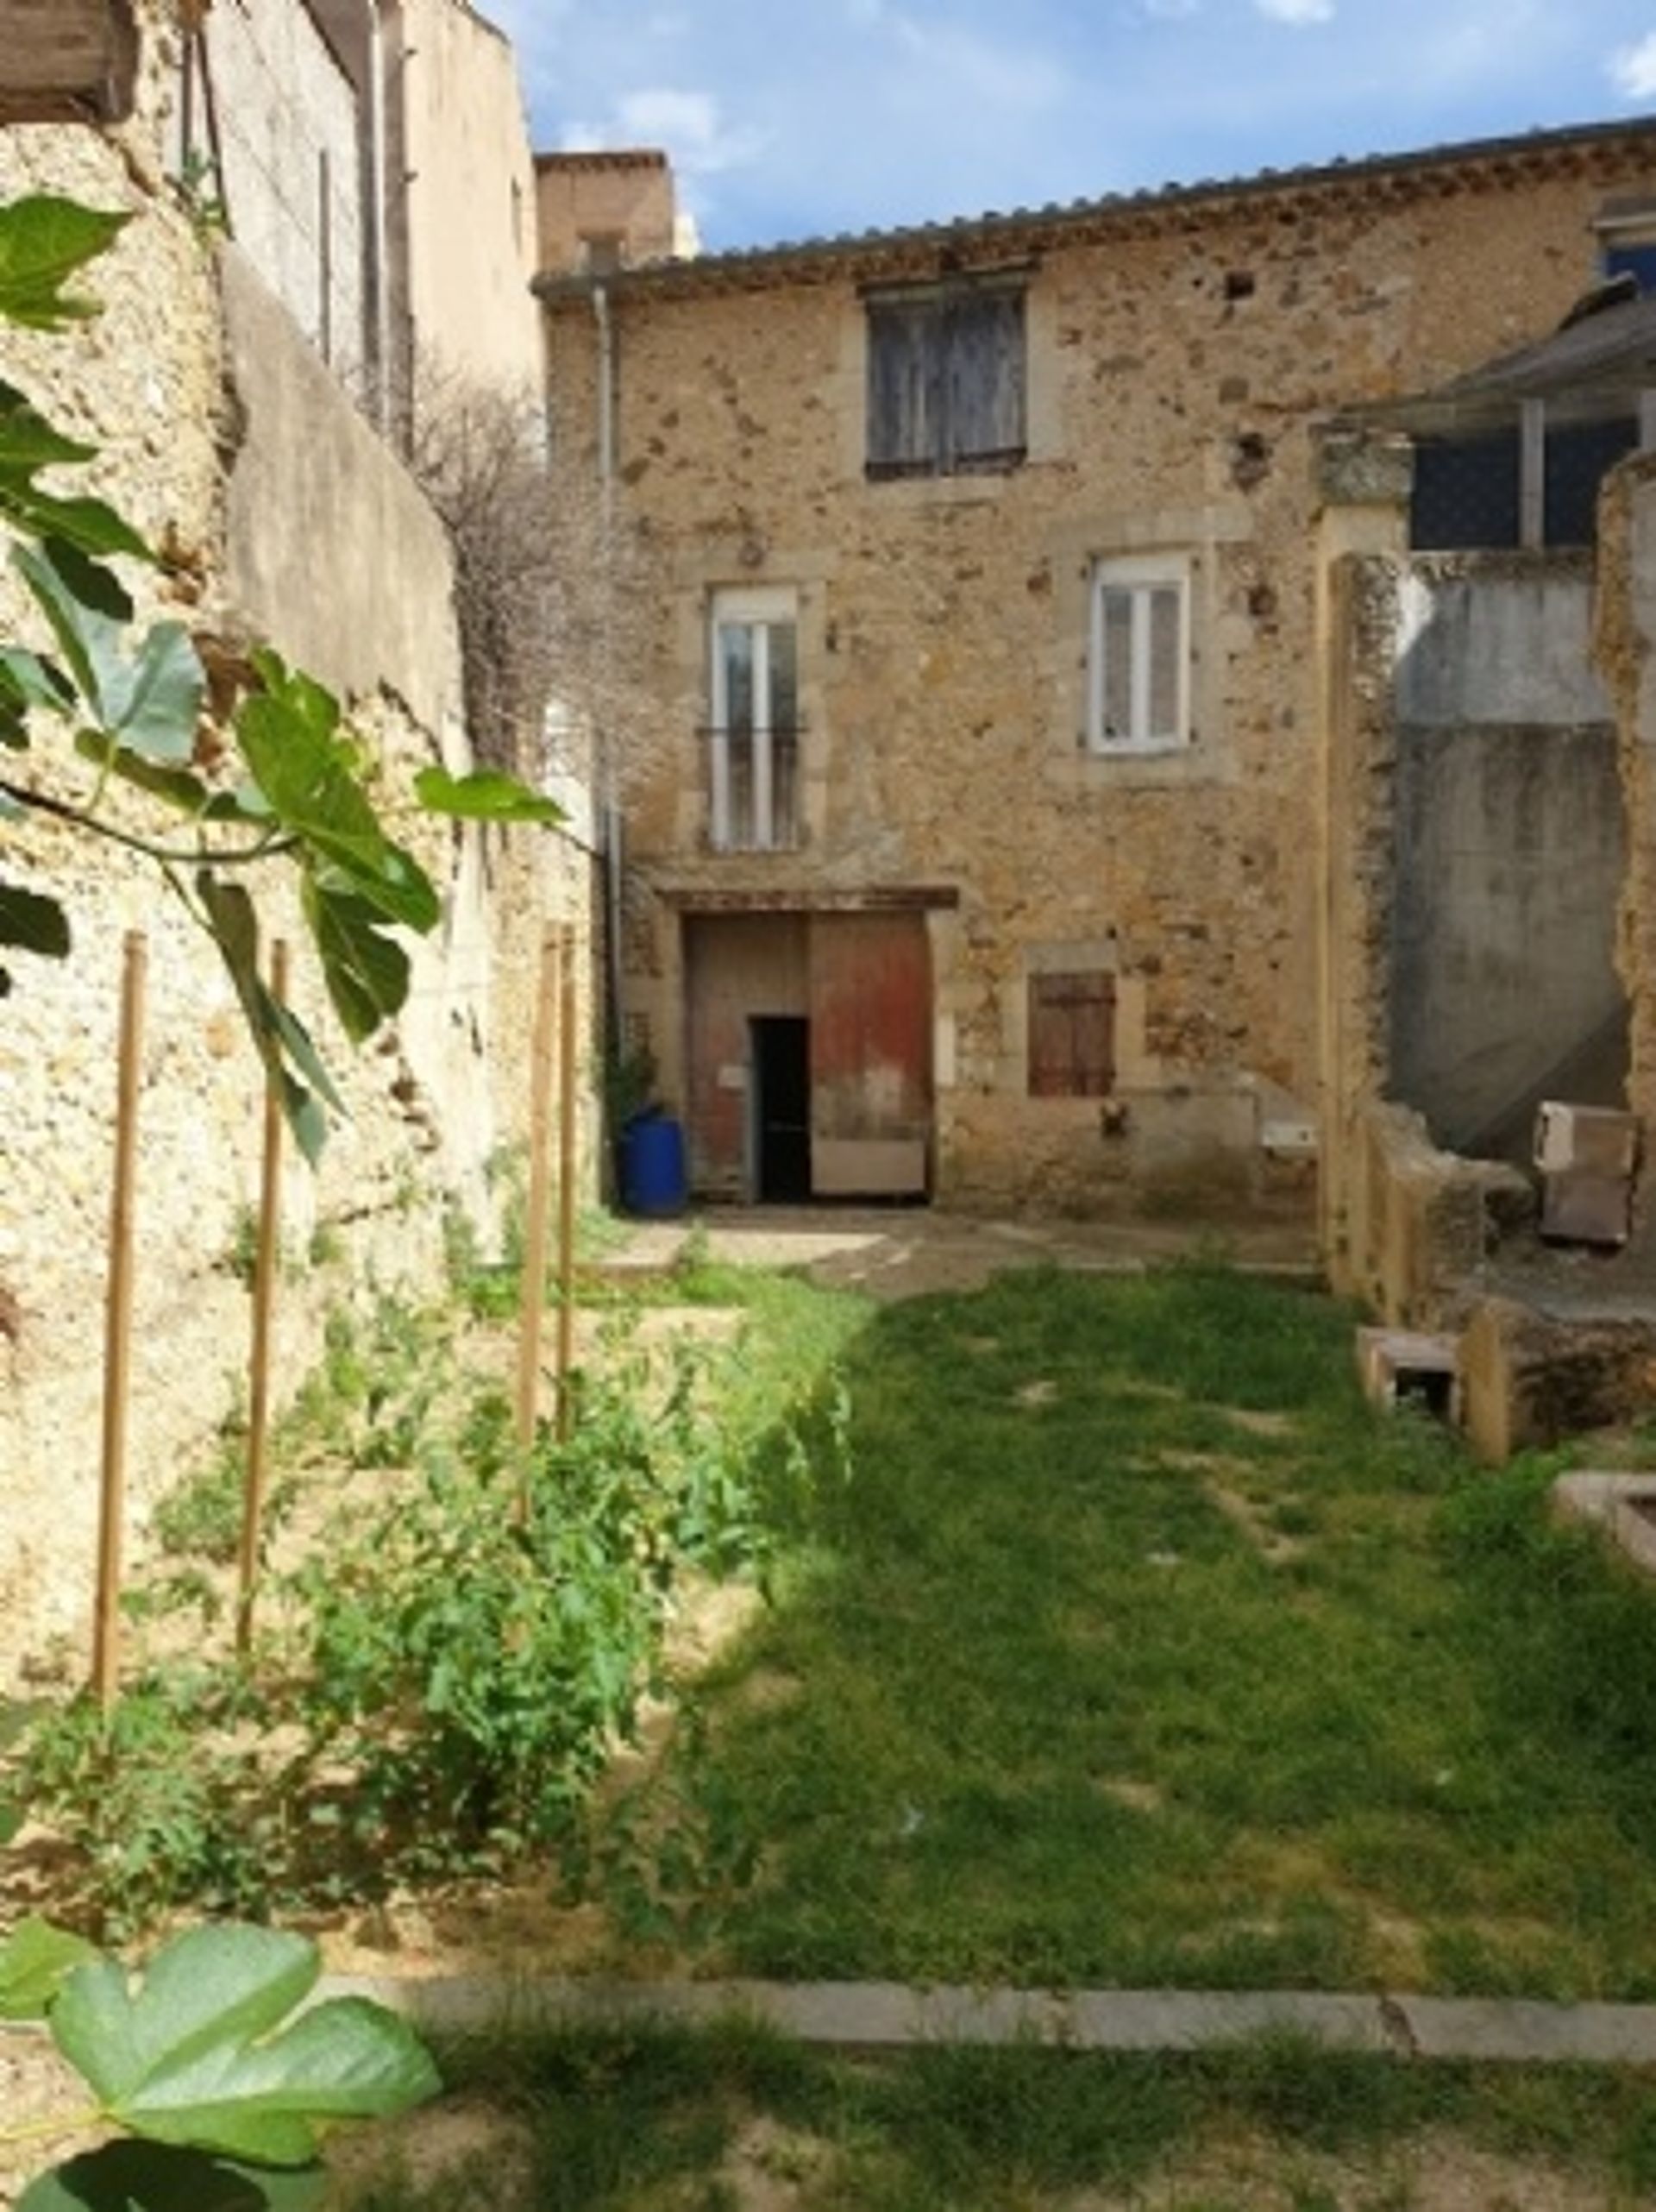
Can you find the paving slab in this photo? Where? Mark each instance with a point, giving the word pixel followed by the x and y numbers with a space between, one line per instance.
pixel 894 2016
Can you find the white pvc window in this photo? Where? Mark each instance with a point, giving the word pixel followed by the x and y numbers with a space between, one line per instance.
pixel 754 740
pixel 1138 658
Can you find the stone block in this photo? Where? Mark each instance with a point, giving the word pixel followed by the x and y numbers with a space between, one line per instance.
pixel 1401 1367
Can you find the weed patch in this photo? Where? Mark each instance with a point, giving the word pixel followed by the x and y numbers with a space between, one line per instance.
pixel 461 1642
pixel 626 2122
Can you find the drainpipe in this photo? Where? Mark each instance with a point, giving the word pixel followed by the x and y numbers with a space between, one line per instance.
pixel 604 329
pixel 379 235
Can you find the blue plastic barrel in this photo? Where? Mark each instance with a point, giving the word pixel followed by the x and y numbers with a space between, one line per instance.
pixel 652 1166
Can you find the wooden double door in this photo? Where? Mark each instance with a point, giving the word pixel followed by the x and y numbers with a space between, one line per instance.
pixel 809 1054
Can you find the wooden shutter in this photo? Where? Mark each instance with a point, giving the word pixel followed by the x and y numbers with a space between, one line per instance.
pixel 984 347
pixel 1071 1035
pixel 905 398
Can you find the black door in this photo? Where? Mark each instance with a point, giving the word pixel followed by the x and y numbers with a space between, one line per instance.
pixel 782 1070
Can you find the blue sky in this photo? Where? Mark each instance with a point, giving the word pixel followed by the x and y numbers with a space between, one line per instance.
pixel 786 121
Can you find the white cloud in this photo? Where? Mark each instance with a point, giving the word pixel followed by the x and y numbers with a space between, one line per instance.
pixel 689 126
pixel 1632 69
pixel 1296 11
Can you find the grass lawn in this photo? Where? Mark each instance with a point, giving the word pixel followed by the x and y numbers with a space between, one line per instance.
pixel 1137 1650
pixel 733 2122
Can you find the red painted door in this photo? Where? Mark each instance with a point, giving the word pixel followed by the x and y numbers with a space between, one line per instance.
pixel 870 1054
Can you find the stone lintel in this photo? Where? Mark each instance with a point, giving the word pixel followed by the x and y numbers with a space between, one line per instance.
pixel 878 898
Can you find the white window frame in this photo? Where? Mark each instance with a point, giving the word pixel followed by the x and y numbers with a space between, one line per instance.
pixel 757 608
pixel 1141 576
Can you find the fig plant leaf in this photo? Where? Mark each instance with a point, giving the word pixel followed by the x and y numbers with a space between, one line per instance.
pixel 199 2050
pixel 34 1959
pixel 485 795
pixel 134 2177
pixel 44 240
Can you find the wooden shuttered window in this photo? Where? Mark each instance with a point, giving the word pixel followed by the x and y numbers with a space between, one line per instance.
pixel 1071 1035
pixel 945 383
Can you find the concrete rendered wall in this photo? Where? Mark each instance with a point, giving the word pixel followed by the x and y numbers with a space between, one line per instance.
pixel 148 379
pixel 468 195
pixel 1510 850
pixel 276 102
pixel 944 634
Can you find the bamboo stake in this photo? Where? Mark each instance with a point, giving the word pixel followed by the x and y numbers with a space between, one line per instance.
pixel 117 1342
pixel 533 1295
pixel 264 1300
pixel 566 1188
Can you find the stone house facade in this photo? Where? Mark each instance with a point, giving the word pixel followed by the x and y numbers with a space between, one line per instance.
pixel 986 861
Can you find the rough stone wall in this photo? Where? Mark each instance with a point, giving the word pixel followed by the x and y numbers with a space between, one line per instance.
pixel 1625 647
pixel 155 380
pixel 1175 369
pixel 626 196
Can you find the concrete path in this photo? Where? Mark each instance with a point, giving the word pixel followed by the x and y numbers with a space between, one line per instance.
pixel 891 2015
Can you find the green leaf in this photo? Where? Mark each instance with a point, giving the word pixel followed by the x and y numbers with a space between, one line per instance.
pixel 289 737
pixel 196 2053
pixel 32 681
pixel 90 525
pixel 26 682
pixel 85 615
pixel 177 786
pixel 33 920
pixel 275 1027
pixel 28 443
pixel 297 1042
pixel 148 700
pixel 131 2177
pixel 367 972
pixel 486 795
pixel 34 1960
pixel 305 1118
pixel 157 704
pixel 44 240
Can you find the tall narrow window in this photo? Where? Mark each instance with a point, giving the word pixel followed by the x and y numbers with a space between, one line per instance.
pixel 1139 686
pixel 753 756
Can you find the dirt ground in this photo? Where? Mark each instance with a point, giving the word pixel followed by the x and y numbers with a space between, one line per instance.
pixel 771 2168
pixel 898 1251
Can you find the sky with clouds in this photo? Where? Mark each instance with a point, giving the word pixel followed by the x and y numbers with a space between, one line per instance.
pixel 791 120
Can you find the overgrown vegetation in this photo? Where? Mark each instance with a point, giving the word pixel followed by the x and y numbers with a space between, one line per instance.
pixel 438 1678
pixel 634 2122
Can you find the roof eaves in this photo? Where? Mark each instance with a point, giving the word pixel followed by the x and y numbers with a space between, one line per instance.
pixel 815 259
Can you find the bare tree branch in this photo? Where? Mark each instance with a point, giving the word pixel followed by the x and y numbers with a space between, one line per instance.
pixel 553 601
